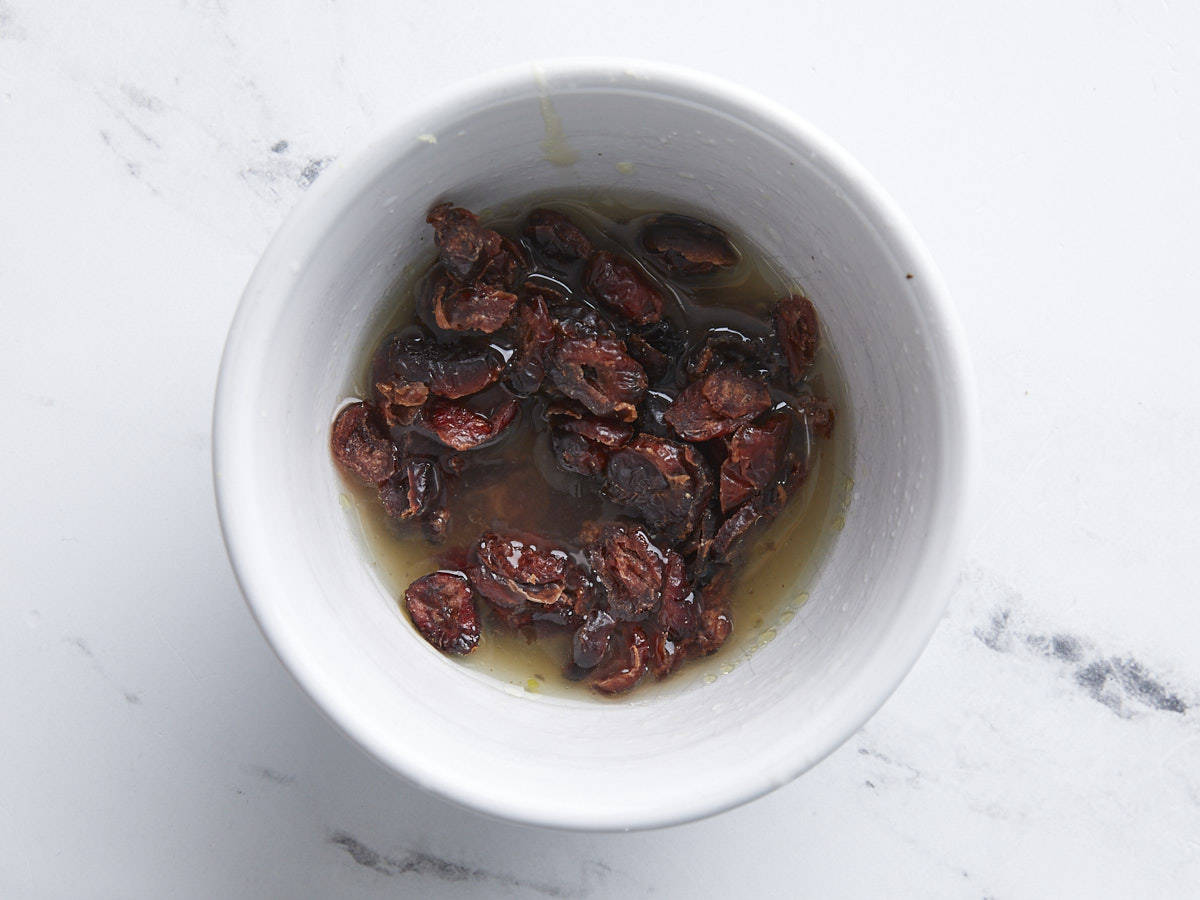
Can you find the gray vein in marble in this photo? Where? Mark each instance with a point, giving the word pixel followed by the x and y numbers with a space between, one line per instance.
pixel 426 865
pixel 1120 683
pixel 267 774
pixel 85 650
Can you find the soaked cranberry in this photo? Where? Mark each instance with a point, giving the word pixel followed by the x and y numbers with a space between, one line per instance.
pixel 627 666
pixel 665 654
pixel 412 357
pixel 535 338
pixel 442 607
pixel 818 414
pixel 717 404
pixel 590 641
pixel 413 490
pixel 463 428
pixel 621 286
pixel 598 373
pixel 629 568
pixel 686 246
pixel 798 335
pixel 479 308
pixel 754 460
pixel 361 444
pixel 679 609
pixel 556 236
pixel 665 483
pixel 511 570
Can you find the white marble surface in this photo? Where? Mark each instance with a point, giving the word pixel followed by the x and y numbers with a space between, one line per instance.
pixel 1048 742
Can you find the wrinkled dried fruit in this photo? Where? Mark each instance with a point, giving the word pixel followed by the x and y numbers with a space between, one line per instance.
pixel 556 236
pixel 361 445
pixel 463 244
pixel 664 482
pixel 687 246
pixel 590 641
pixel 481 308
pixel 733 529
pixel 505 264
pixel 626 668
pixel 581 442
pixel 665 655
pixel 463 428
pixel 512 569
pixel 725 347
pixel 798 334
pixel 715 623
pixel 598 373
pixel 656 347
pixel 412 357
pixel 442 607
pixel 754 460
pixel 679 608
pixel 717 404
pixel 535 338
pixel 818 414
pixel 618 284
pixel 413 490
pixel 629 568
pixel 400 401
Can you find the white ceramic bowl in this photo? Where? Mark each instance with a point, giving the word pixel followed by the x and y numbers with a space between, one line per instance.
pixel 313 304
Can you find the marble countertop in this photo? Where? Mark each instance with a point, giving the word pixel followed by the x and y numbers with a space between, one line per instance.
pixel 1047 743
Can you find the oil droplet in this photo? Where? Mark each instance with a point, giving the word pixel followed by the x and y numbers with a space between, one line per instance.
pixel 710 678
pixel 726 669
pixel 625 167
pixel 838 524
pixel 345 501
pixel 427 138
pixel 787 615
pixel 767 636
pixel 532 686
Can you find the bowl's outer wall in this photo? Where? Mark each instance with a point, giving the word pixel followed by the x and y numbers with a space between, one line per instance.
pixel 302 331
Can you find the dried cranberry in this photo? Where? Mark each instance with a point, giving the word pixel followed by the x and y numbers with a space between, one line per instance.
pixel 818 414
pixel 664 482
pixel 726 347
pixel 665 654
pixel 535 337
pixel 361 445
pixel 679 610
pixel 463 244
pixel 463 428
pixel 733 529
pixel 620 285
pixel 598 373
pixel 755 456
pixel 505 265
pixel 414 490
pixel 717 404
pixel 511 569
pixel 556 236
pixel 687 246
pixel 590 641
pixel 626 668
pixel 411 357
pixel 716 618
pixel 629 568
pixel 798 334
pixel 480 308
pixel 442 607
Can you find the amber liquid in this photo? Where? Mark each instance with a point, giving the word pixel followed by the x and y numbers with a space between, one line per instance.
pixel 516 485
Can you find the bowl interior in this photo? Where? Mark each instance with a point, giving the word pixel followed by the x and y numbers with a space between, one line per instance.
pixel 314 306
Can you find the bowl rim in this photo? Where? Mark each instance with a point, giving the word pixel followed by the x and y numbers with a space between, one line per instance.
pixel 266 293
